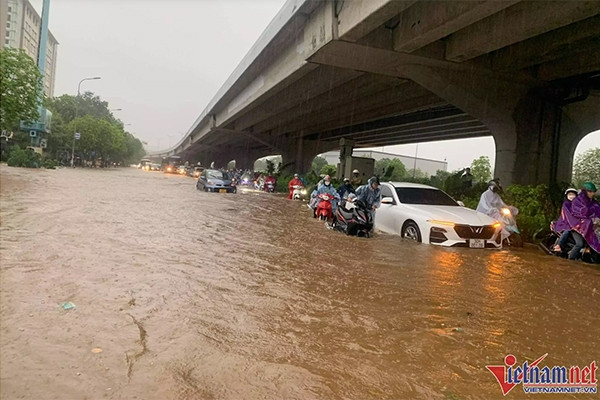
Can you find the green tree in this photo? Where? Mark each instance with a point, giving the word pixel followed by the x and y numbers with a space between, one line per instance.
pixel 481 169
pixel 99 139
pixel 390 169
pixel 318 163
pixel 87 104
pixel 329 169
pixel 20 88
pixel 587 167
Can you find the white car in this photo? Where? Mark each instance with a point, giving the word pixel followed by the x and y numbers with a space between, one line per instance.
pixel 426 214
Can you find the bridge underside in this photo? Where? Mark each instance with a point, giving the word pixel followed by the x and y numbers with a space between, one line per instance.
pixel 393 72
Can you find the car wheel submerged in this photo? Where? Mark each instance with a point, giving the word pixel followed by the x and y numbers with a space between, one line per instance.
pixel 411 231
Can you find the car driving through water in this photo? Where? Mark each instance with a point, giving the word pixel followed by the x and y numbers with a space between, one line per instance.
pixel 426 214
pixel 212 180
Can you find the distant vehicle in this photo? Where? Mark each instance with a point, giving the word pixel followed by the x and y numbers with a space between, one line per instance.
pixel 154 167
pixel 194 171
pixel 247 180
pixel 426 214
pixel 181 170
pixel 171 164
pixel 212 180
pixel 144 164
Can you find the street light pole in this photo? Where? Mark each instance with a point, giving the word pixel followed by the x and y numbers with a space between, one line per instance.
pixel 75 128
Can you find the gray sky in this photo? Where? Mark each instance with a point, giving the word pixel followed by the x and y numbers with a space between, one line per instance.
pixel 162 61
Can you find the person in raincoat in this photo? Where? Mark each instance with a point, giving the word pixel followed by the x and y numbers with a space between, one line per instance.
pixel 356 180
pixel 294 182
pixel 584 209
pixel 565 222
pixel 370 194
pixel 491 204
pixel 327 188
pixel 345 189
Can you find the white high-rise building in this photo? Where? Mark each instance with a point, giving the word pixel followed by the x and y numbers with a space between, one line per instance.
pixel 20 28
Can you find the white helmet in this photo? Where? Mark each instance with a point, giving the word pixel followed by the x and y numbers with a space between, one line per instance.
pixel 570 190
pixel 355 171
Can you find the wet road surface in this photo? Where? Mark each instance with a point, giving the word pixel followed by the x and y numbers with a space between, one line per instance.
pixel 194 295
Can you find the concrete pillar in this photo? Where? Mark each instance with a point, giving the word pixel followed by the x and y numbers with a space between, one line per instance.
pixel 246 159
pixel 297 155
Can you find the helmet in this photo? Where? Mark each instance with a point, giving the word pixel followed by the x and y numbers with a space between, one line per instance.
pixel 296 175
pixel 570 190
pixel 327 178
pixel 494 185
pixel 346 180
pixel 355 171
pixel 590 187
pixel 373 180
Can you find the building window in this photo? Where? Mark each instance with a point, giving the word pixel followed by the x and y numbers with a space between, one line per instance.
pixel 9 9
pixel 7 33
pixel 8 17
pixel 8 24
pixel 6 41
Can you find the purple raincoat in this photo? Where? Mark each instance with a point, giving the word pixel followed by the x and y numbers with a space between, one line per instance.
pixel 584 210
pixel 567 221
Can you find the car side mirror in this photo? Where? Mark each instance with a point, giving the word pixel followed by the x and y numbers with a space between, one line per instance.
pixel 387 200
pixel 460 203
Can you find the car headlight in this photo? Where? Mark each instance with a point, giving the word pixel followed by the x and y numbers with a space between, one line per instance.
pixel 506 211
pixel 438 222
pixel 497 225
pixel 210 183
pixel 303 192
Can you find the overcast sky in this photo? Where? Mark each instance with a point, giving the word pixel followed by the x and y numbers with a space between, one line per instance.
pixel 162 61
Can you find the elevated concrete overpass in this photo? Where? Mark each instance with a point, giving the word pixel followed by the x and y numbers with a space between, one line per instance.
pixel 386 72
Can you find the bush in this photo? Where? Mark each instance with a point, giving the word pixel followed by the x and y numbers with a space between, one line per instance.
pixel 329 169
pixel 23 158
pixel 50 164
pixel 537 207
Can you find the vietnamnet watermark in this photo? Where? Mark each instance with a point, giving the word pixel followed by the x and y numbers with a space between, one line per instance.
pixel 536 379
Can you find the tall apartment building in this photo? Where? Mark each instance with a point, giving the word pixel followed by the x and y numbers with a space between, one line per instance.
pixel 20 28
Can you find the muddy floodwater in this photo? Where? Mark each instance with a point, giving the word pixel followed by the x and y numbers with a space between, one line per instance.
pixel 180 294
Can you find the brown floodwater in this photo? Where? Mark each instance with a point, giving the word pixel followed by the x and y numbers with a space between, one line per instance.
pixel 193 295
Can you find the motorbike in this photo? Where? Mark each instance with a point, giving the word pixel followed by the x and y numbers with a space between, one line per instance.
pixel 587 254
pixel 324 209
pixel 269 185
pixel 510 231
pixel 353 218
pixel 299 192
pixel 246 180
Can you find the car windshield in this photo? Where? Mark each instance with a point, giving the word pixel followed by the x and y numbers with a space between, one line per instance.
pixel 432 197
pixel 216 175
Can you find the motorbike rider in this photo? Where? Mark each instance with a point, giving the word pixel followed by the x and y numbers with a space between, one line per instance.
pixel 356 180
pixel 345 189
pixel 294 182
pixel 565 223
pixel 270 179
pixel 370 194
pixel 585 208
pixel 491 203
pixel 327 188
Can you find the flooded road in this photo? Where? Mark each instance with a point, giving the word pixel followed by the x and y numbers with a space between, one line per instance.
pixel 193 295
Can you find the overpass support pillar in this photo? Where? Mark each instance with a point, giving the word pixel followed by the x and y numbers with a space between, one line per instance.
pixel 297 155
pixel 246 160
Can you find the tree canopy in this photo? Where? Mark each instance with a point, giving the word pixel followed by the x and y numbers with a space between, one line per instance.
pixel 102 136
pixel 587 167
pixel 481 169
pixel 20 88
